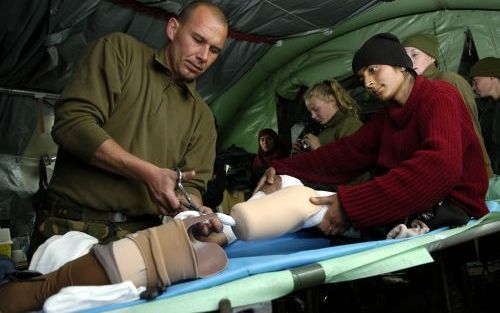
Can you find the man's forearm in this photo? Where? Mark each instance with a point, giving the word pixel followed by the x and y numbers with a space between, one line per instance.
pixel 112 157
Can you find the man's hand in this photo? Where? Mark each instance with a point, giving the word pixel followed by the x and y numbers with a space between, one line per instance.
pixel 160 182
pixel 335 221
pixel 161 185
pixel 207 228
pixel 204 229
pixel 269 182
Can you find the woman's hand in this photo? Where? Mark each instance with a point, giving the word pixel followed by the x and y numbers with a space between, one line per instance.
pixel 312 141
pixel 334 221
pixel 296 147
pixel 269 182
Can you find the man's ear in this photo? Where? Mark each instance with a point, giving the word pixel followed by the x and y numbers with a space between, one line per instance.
pixel 171 28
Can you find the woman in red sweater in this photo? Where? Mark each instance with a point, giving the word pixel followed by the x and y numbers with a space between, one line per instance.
pixel 422 143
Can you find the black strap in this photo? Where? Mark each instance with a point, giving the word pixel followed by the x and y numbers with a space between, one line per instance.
pixel 21 276
pixel 43 183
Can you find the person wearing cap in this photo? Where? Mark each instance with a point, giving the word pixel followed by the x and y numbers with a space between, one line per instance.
pixel 486 77
pixel 423 50
pixel 486 83
pixel 416 143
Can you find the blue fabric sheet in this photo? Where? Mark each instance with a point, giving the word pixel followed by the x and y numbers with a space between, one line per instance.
pixel 260 256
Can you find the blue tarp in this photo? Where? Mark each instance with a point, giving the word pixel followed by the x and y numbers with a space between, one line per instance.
pixel 285 252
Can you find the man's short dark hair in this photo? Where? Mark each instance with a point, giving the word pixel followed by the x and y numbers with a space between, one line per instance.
pixel 188 9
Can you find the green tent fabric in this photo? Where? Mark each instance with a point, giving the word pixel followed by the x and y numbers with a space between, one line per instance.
pixel 250 104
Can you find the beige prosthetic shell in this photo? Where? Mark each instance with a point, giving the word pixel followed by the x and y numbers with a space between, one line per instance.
pixel 275 214
pixel 131 266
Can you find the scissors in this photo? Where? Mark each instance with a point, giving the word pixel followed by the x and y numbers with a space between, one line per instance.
pixel 189 202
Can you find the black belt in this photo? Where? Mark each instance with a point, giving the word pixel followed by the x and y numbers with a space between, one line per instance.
pixel 55 208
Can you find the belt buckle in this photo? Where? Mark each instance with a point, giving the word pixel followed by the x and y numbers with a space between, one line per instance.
pixel 117 217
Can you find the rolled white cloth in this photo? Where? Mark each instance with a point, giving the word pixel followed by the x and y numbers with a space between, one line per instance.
pixel 78 298
pixel 60 249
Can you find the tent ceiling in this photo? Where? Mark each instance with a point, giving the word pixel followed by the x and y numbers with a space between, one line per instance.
pixel 41 40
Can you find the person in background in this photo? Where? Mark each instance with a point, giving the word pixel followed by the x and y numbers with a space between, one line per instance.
pixel 129 116
pixel 270 148
pixel 331 106
pixel 423 145
pixel 423 50
pixel 486 83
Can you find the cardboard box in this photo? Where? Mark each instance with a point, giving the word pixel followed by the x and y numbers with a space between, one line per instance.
pixel 5 242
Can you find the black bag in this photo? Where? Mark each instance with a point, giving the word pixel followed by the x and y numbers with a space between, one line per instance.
pixel 216 186
pixel 442 214
pixel 9 273
pixel 239 176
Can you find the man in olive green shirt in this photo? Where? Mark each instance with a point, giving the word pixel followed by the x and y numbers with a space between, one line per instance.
pixel 128 117
pixel 423 51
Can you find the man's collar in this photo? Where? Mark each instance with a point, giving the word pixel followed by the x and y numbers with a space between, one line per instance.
pixel 159 58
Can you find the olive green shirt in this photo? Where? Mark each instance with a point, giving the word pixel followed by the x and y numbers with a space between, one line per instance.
pixel 341 125
pixel 465 89
pixel 123 90
pixel 338 126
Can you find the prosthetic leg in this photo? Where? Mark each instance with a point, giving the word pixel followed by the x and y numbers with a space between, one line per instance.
pixel 283 211
pixel 158 256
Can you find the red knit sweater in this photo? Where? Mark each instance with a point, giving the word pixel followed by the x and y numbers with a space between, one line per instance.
pixel 427 149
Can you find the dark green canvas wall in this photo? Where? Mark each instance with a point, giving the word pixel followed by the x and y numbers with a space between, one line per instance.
pixel 250 104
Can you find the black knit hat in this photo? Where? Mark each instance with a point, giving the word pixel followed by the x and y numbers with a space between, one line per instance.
pixel 383 48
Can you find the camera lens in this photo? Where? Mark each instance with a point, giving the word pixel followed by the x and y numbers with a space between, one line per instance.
pixel 305 145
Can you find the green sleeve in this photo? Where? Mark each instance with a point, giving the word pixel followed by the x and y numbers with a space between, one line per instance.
pixel 350 126
pixel 88 99
pixel 465 90
pixel 200 155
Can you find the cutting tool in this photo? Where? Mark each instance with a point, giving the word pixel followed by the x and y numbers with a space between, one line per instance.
pixel 189 202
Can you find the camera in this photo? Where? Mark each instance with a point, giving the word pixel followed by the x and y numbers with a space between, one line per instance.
pixel 304 145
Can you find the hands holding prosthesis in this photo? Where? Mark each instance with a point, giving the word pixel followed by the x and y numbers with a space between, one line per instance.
pixel 299 204
pixel 280 205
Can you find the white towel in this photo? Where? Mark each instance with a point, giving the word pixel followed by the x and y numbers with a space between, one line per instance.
pixel 58 250
pixel 78 298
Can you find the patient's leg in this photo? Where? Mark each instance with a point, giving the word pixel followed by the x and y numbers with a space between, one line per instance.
pixel 275 214
pixel 25 296
pixel 157 256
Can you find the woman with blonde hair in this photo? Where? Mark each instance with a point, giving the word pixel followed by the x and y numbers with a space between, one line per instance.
pixel 331 106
